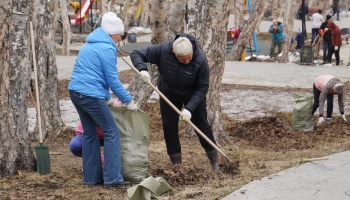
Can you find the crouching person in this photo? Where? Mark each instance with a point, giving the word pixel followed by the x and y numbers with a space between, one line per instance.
pixel 325 87
pixel 184 80
pixel 76 144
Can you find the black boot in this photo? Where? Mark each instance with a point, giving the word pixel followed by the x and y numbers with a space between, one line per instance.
pixel 175 158
pixel 214 160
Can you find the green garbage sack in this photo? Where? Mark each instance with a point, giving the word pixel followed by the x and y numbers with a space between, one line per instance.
pixel 134 142
pixel 149 188
pixel 302 112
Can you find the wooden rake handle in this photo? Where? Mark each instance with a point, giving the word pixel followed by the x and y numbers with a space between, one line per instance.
pixel 178 112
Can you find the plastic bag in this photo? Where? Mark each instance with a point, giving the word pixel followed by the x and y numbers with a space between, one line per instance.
pixel 302 112
pixel 134 142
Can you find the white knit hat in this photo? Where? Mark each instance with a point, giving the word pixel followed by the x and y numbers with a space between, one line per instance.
pixel 112 24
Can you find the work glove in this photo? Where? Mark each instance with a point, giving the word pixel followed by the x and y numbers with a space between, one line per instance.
pixel 186 115
pixel 336 48
pixel 320 121
pixel 131 106
pixel 343 117
pixel 145 76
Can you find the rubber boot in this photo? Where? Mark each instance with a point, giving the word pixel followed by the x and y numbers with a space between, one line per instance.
pixel 175 158
pixel 214 160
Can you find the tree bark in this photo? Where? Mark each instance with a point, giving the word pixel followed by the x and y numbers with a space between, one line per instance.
pixel 208 23
pixel 55 15
pixel 240 12
pixel 104 6
pixel 66 31
pixel 15 144
pixel 158 21
pixel 288 23
pixel 326 7
pixel 159 27
pixel 47 69
pixel 310 3
pixel 241 44
pixel 145 15
pixel 275 12
pixel 177 10
pixel 130 14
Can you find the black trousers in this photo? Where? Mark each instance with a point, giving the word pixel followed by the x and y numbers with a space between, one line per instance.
pixel 171 121
pixel 317 100
pixel 336 53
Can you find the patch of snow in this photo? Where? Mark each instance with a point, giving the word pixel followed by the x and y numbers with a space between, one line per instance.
pixel 139 30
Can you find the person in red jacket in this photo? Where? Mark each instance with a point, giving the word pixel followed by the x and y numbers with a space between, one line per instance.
pixel 336 42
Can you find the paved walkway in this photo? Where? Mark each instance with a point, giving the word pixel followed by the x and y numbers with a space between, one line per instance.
pixel 246 73
pixel 321 180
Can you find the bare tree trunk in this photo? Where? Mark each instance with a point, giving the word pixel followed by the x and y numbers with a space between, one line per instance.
pixel 159 21
pixel 280 7
pixel 15 144
pixel 66 31
pixel 326 7
pixel 275 12
pixel 47 69
pixel 240 12
pixel 177 10
pixel 55 16
pixel 145 15
pixel 260 19
pixel 288 23
pixel 104 5
pixel 310 3
pixel 246 34
pixel 159 28
pixel 208 23
pixel 130 14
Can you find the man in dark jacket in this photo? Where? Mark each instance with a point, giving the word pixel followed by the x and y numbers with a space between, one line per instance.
pixel 327 37
pixel 184 80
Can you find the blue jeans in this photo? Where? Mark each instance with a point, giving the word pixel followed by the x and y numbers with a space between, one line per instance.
pixel 94 111
pixel 76 145
pixel 314 35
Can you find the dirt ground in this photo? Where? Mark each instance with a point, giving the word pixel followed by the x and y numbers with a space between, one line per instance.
pixel 266 145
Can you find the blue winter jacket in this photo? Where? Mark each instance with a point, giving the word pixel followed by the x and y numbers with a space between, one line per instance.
pixel 277 37
pixel 95 69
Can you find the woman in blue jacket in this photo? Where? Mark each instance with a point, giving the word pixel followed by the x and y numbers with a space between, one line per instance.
pixel 93 75
pixel 276 30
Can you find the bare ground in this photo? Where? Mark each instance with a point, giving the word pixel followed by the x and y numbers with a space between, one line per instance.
pixel 266 145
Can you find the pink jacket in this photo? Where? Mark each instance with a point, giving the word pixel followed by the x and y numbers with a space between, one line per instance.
pixel 322 81
pixel 79 130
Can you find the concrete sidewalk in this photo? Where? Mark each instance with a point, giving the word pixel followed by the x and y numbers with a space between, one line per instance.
pixel 246 73
pixel 321 180
pixel 65 65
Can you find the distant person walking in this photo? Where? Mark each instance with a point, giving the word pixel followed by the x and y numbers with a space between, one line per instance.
pixel 327 37
pixel 336 42
pixel 317 20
